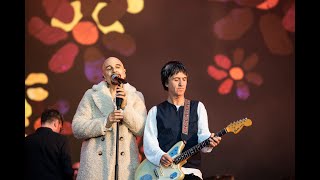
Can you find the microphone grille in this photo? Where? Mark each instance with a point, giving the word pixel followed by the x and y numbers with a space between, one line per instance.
pixel 114 76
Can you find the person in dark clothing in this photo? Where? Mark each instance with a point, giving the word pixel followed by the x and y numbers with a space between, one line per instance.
pixel 46 151
pixel 166 125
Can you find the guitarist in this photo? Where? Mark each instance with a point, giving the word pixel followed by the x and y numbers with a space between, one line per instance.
pixel 165 121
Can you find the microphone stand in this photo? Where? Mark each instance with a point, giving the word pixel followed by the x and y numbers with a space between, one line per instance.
pixel 118 103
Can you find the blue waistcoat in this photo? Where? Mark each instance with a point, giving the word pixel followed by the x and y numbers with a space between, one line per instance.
pixel 169 124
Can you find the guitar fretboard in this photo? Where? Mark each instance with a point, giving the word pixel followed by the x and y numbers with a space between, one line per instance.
pixel 193 150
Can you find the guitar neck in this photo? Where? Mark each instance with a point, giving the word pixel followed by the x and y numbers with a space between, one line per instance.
pixel 193 150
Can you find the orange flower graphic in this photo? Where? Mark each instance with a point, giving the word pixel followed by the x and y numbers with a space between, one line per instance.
pixel 238 72
pixel 83 24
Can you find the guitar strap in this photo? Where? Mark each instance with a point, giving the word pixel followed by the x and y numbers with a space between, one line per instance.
pixel 185 123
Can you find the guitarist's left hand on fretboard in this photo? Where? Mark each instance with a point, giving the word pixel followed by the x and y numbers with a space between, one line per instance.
pixel 214 140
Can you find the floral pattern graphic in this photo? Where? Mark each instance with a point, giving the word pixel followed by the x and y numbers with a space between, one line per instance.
pixel 84 24
pixel 236 73
pixel 276 27
pixel 36 93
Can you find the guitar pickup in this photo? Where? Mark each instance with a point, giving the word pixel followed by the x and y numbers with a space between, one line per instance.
pixel 158 172
pixel 161 171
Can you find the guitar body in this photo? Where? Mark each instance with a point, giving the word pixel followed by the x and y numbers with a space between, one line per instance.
pixel 149 171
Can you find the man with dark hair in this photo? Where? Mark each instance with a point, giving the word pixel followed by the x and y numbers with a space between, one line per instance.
pixel 47 152
pixel 166 123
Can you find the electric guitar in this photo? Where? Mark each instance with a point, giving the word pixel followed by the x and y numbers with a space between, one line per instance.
pixel 149 171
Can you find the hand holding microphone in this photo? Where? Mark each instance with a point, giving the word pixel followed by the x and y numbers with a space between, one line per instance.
pixel 115 116
pixel 121 102
pixel 121 98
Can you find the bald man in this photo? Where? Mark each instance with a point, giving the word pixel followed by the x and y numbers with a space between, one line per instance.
pixel 95 123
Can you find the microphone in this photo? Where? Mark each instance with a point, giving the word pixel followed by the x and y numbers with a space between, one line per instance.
pixel 115 79
pixel 118 102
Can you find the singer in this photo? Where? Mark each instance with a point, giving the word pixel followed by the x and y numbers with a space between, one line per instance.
pixel 96 121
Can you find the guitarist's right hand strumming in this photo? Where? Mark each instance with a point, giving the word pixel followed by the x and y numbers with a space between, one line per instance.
pixel 166 160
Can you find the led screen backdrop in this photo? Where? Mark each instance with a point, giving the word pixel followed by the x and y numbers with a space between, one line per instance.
pixel 240 55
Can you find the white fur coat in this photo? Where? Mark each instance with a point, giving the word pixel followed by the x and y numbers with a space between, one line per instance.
pixel 97 158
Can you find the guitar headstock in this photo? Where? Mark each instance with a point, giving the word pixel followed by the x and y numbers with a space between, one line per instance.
pixel 236 126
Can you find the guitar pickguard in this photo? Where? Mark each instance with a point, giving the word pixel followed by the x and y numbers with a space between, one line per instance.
pixel 149 171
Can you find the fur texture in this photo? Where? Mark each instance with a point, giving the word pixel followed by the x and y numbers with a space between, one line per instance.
pixel 97 158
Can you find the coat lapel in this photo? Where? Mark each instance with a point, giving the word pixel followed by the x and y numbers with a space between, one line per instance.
pixel 102 98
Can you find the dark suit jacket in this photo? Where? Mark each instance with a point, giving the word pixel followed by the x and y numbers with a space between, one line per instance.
pixel 47 156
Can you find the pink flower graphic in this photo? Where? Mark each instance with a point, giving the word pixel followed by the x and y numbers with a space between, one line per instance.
pixel 276 28
pixel 238 72
pixel 84 26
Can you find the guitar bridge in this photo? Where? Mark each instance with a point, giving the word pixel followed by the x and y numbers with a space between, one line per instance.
pixel 156 172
